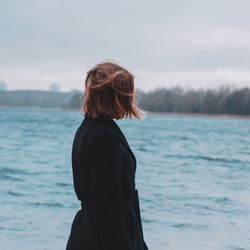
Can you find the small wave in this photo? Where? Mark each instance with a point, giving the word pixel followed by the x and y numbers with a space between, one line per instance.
pixel 13 193
pixel 14 171
pixel 206 158
pixel 11 178
pixel 46 204
pixel 143 149
pixel 149 221
pixel 232 247
pixel 190 225
pixel 225 210
pixel 223 200
pixel 63 184
pixel 39 161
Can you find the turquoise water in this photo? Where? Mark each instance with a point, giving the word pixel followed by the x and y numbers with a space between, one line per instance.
pixel 193 176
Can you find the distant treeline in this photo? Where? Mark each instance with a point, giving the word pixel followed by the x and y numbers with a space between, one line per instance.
pixel 32 98
pixel 176 99
pixel 210 101
pixel 217 101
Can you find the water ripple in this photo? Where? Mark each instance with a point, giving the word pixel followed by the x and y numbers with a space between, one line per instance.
pixel 192 174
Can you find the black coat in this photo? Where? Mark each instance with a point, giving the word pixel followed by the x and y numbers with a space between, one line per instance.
pixel 104 169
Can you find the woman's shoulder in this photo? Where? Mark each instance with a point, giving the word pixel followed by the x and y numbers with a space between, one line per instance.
pixel 104 142
pixel 105 135
pixel 98 133
pixel 96 129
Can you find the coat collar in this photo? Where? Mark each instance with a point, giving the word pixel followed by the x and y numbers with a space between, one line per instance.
pixel 116 129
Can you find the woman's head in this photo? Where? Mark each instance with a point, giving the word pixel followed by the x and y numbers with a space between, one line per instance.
pixel 109 92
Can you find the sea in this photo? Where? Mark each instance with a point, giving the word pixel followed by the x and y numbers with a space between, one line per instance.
pixel 193 178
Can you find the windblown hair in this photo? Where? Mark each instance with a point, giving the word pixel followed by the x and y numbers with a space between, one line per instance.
pixel 109 93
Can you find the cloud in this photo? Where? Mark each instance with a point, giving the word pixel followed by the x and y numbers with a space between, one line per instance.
pixel 57 39
pixel 222 39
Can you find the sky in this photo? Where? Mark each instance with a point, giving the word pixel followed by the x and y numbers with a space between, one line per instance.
pixel 195 43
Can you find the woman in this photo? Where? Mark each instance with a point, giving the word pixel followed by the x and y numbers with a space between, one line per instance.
pixel 104 166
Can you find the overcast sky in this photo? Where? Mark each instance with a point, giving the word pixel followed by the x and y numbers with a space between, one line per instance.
pixel 195 43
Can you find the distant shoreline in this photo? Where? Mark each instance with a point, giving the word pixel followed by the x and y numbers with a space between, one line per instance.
pixel 199 114
pixel 147 112
pixel 170 101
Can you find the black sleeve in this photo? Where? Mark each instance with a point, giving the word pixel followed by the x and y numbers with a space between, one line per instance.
pixel 105 190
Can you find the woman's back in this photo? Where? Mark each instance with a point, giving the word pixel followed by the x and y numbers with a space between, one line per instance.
pixel 104 180
pixel 104 167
